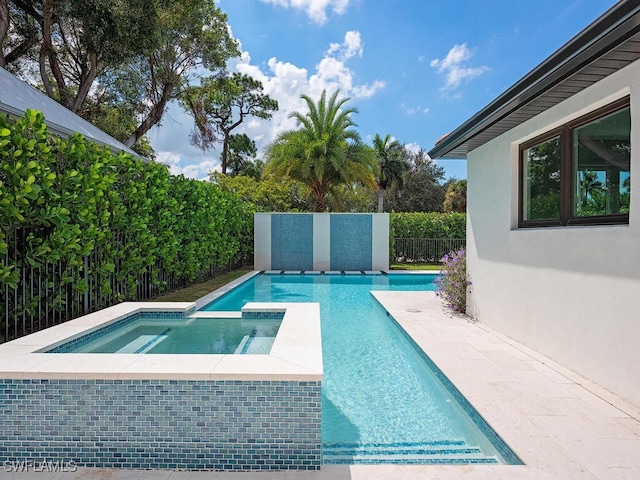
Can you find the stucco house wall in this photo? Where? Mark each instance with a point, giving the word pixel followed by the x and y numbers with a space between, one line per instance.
pixel 572 293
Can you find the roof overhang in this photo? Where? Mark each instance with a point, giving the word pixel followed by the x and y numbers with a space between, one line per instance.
pixel 17 96
pixel 604 47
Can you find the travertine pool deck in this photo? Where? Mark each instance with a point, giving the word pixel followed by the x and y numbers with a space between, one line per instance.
pixel 561 425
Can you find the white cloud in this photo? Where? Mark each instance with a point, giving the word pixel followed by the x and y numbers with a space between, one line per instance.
pixel 282 81
pixel 414 110
pixel 315 9
pixel 413 147
pixel 351 47
pixel 454 68
pixel 286 82
pixel 199 171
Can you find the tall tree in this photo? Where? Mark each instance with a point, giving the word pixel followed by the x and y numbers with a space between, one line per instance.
pixel 392 163
pixel 220 104
pixel 422 189
pixel 240 159
pixel 78 40
pixel 132 55
pixel 455 198
pixel 19 36
pixel 194 33
pixel 325 152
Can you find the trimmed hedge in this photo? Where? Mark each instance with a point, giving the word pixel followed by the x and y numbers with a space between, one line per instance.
pixel 75 198
pixel 427 225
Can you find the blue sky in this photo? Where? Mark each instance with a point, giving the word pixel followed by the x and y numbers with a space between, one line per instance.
pixel 413 69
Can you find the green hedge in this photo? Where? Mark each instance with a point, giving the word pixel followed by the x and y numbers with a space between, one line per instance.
pixel 427 225
pixel 75 198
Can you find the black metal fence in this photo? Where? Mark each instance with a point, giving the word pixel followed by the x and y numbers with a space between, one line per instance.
pixel 45 295
pixel 424 250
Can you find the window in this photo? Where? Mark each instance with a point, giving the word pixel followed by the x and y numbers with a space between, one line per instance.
pixel 579 173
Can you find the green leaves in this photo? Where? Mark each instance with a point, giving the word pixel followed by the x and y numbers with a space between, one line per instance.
pixel 428 225
pixel 62 200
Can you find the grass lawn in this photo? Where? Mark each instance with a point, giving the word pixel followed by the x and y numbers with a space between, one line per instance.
pixel 194 292
pixel 415 266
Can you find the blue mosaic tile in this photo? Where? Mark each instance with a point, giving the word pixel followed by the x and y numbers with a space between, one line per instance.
pixel 292 241
pixel 79 342
pixel 262 315
pixel 351 242
pixel 166 424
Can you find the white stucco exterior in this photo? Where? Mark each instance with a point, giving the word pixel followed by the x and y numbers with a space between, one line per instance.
pixel 572 293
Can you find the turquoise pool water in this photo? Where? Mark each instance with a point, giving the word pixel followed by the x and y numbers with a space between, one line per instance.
pixel 177 334
pixel 383 400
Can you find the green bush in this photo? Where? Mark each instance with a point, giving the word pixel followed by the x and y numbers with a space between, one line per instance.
pixel 74 198
pixel 427 225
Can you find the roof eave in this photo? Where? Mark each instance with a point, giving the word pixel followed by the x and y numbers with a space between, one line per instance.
pixel 618 24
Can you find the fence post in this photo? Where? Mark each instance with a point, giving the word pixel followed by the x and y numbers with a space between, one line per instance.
pixel 85 273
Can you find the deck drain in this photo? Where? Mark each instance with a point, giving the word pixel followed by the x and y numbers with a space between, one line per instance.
pixel 413 310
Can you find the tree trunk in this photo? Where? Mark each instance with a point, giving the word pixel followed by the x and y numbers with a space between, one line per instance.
pixel 380 200
pixel 153 118
pixel 225 152
pixel 4 27
pixel 47 53
pixel 86 83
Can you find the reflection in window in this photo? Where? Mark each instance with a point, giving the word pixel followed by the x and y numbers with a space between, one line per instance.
pixel 542 180
pixel 601 160
pixel 579 173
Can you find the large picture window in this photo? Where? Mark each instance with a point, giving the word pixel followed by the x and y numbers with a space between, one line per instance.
pixel 579 173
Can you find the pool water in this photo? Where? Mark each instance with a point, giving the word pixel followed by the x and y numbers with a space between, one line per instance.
pixel 382 399
pixel 178 334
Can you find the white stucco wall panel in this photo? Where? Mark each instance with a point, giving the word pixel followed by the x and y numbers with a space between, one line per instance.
pixel 262 241
pixel 572 293
pixel 380 241
pixel 321 242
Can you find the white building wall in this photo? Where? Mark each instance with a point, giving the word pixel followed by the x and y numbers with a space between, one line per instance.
pixel 572 293
pixel 321 241
pixel 380 241
pixel 262 241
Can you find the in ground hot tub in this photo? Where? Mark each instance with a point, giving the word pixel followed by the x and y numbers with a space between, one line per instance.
pixel 197 411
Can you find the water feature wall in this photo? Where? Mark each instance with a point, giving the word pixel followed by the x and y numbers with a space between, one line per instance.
pixel 321 241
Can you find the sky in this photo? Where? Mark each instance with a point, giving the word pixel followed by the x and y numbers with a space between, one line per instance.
pixel 414 69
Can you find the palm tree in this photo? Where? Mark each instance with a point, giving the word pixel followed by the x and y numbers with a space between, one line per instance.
pixel 324 152
pixel 392 163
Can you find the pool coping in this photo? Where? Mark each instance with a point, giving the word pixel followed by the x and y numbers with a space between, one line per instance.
pixel 296 353
pixel 562 425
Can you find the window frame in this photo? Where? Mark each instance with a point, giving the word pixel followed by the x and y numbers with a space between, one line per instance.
pixel 565 133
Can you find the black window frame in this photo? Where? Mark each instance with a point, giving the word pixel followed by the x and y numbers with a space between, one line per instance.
pixel 566 172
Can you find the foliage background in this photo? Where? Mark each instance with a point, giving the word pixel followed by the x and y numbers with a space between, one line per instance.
pixel 71 198
pixel 427 225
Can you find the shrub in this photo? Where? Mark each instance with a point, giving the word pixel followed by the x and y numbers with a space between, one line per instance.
pixel 427 225
pixel 453 282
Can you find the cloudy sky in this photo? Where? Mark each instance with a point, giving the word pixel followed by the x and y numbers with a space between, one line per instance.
pixel 415 69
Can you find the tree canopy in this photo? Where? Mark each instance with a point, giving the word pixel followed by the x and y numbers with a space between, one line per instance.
pixel 220 104
pixel 114 63
pixel 455 198
pixel 421 190
pixel 325 152
pixel 392 163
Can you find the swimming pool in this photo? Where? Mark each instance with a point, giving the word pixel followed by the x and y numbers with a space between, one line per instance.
pixel 154 333
pixel 383 400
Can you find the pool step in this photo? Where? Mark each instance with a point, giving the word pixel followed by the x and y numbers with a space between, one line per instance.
pixel 144 343
pixel 440 452
pixel 251 344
